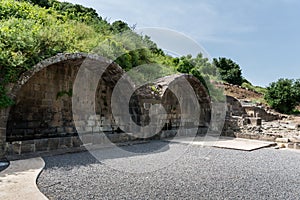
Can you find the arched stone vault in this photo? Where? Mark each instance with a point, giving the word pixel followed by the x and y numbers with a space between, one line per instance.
pixel 43 107
pixel 42 119
pixel 159 92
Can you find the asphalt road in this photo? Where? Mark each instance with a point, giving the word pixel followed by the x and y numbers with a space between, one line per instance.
pixel 199 173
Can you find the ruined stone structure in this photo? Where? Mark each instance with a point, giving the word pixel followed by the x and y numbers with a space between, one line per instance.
pixel 260 112
pixel 235 107
pixel 42 118
pixel 160 92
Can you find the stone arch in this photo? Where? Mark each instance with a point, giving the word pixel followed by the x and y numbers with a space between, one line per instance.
pixel 42 117
pixel 174 115
pixel 43 107
pixel 234 106
pixel 159 93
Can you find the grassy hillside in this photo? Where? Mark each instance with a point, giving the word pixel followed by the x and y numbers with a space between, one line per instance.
pixel 33 30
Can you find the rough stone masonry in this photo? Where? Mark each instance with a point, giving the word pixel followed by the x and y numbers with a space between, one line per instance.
pixel 42 118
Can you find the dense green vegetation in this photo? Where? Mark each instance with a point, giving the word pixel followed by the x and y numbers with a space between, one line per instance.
pixel 284 95
pixel 229 70
pixel 29 34
pixel 33 30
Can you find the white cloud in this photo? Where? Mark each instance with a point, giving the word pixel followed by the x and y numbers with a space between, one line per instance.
pixel 201 19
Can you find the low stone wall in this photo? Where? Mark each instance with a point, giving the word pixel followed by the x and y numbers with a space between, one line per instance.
pixel 41 145
pixel 96 139
pixel 255 111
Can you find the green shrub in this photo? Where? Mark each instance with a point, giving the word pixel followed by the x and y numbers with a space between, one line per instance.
pixel 283 95
pixel 229 70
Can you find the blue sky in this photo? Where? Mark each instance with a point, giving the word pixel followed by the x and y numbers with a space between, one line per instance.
pixel 262 36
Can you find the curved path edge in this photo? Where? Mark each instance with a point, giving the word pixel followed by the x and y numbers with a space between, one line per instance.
pixel 18 181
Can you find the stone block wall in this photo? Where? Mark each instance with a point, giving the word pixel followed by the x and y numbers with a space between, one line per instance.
pixel 254 111
pixel 146 97
pixel 42 117
pixel 43 106
pixel 235 107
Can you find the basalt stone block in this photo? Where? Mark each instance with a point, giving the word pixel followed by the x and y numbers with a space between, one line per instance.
pixel 256 121
pixel 49 131
pixel 290 145
pixel 123 137
pixel 53 143
pixel 60 129
pixel 2 133
pixel 268 138
pixel 282 140
pixel 255 137
pixel 114 138
pixel 69 129
pixel 27 146
pixel 41 145
pixel 21 125
pixel 65 142
pixel 76 142
pixel 29 132
pixel 296 146
pixel 16 147
pixel 34 124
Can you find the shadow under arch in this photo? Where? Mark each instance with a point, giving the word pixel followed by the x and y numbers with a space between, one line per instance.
pixel 43 106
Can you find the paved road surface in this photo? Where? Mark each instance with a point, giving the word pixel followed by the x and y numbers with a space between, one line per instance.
pixel 201 173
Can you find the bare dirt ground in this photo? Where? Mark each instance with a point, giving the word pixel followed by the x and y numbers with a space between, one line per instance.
pixel 240 92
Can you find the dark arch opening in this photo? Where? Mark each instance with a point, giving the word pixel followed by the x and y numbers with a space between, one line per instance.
pixel 43 107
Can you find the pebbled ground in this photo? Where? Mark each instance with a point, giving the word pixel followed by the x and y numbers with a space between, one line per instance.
pixel 200 173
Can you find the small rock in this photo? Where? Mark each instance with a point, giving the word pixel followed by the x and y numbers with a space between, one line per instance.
pixel 282 146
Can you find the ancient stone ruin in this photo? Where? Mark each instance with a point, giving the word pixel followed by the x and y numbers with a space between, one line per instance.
pixel 42 118
pixel 47 116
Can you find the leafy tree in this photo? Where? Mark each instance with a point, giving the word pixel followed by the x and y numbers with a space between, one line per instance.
pixel 119 26
pixel 185 65
pixel 203 70
pixel 33 30
pixel 229 70
pixel 283 95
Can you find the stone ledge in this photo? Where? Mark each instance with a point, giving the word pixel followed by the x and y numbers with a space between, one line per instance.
pixel 38 145
pixel 291 143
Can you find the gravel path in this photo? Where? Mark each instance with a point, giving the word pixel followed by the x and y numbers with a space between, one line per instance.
pixel 201 173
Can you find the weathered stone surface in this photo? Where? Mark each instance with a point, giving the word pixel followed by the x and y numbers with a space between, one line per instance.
pixel 27 146
pixel 296 146
pixel 282 140
pixel 291 145
pixel 76 142
pixel 295 139
pixel 53 143
pixel 41 145
pixel 42 117
pixel 268 138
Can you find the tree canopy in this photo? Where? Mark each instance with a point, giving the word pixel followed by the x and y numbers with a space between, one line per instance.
pixel 229 70
pixel 33 30
pixel 283 95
